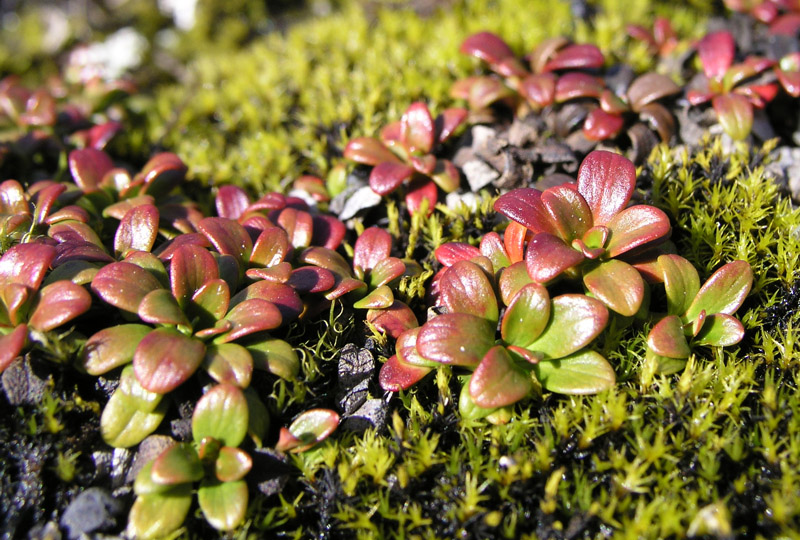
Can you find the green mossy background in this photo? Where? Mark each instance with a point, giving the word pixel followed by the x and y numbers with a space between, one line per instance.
pixel 257 100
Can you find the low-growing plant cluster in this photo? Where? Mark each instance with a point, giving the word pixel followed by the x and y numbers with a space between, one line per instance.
pixel 162 291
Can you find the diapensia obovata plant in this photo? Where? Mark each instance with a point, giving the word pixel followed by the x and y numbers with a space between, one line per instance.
pixel 500 325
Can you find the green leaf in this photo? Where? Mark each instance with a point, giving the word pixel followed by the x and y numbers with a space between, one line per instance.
pixel 160 307
pixel 618 285
pixel 112 347
pixel 456 338
pixel 271 248
pixel 667 338
pixel 165 358
pixel 157 515
pixel 209 303
pixel 252 315
pixel 493 248
pixel 406 347
pixel 386 271
pixel 585 372
pixel 467 408
pixel 275 356
pixel 497 382
pixel 527 315
pixel 635 226
pixel 380 298
pixel 257 417
pixel 131 413
pixel 512 279
pixel 464 288
pixel 720 330
pixel 232 464
pixel 568 212
pixel 681 282
pixel 326 258
pixel 224 504
pixel 724 291
pixel 735 114
pixel 228 237
pixel 222 414
pixel 177 464
pixel 575 321
pixel 151 263
pixel 11 345
pixel 663 364
pixel 229 363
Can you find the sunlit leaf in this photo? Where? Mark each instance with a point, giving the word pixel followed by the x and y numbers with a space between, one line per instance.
pixel 585 372
pixel 464 288
pixel 735 114
pixel 131 414
pixel 724 291
pixel 224 504
pixel 568 212
pixel 527 316
pixel 250 316
pixel 59 303
pixel 716 51
pixel 634 227
pixel 271 247
pixel 368 151
pixel 228 237
pixel 310 428
pixel 275 356
pixel 137 231
pixel 681 282
pixel 222 414
pixel 165 358
pixel 456 338
pixel 606 180
pixel 525 206
pixel 450 253
pixel 667 338
pixel 396 375
pixel 160 307
pixel 417 129
pixel 124 285
pixel 548 256
pixel 190 268
pixel 177 464
pixel 486 46
pixel 112 347
pixel 497 382
pixel 618 285
pixel 155 515
pixel 229 363
pixel 512 280
pixel 720 330
pixel 574 322
pixel 393 320
pixel 231 201
pixel 26 264
pixel 232 464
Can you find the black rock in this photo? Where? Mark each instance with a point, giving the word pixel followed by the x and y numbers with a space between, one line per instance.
pixel 21 384
pixel 355 365
pixel 94 510
pixel 270 471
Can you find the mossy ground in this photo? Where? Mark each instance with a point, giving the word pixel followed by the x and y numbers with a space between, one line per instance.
pixel 713 451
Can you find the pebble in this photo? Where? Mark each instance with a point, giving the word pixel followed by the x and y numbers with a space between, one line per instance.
pixel 94 510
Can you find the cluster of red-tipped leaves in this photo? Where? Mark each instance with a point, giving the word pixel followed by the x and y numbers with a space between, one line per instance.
pixel 405 155
pixel 542 340
pixel 27 307
pixel 582 230
pixel 661 40
pixel 696 316
pixel 733 89
pixel 782 16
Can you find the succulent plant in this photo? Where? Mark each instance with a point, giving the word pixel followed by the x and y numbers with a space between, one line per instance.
pixel 307 430
pixel 661 41
pixel 581 231
pixel 697 316
pixel 405 154
pixel 733 89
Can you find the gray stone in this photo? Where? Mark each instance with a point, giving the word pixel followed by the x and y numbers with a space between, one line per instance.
pixel 94 510
pixel 355 365
pixel 479 174
pixel 21 384
pixel 361 199
pixel 47 531
pixel 372 414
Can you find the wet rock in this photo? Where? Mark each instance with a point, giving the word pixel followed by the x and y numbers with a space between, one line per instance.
pixel 479 174
pixel 21 384
pixel 356 370
pixel 94 510
pixel 372 414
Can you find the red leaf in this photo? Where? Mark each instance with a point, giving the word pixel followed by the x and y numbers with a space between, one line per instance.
pixel 421 189
pixel 667 338
pixel 124 285
pixel 162 173
pixel 548 256
pixel 88 166
pixel 600 125
pixel 165 359
pixel 464 288
pixel 786 25
pixel 486 46
pixel 26 264
pixel 618 285
pixel 387 176
pixel 483 91
pixel 271 248
pixel 393 320
pixel 581 56
pixel 59 303
pixel 497 382
pixel 373 246
pixel 191 267
pixel 283 296
pixel 298 224
pixel 575 85
pixel 716 51
pixel 568 211
pixel 231 202
pixel 539 90
pixel 451 252
pixel 369 151
pixel 228 237
pixel 328 232
pixel 326 258
pixel 606 180
pixel 250 316
pixel 11 345
pixel 525 206
pixel 396 375
pixel 311 279
pixel 514 241
pixel 137 231
pixel 448 122
pixel 417 130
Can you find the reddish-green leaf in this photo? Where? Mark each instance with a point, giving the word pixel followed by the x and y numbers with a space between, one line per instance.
pixel 112 347
pixel 232 464
pixel 165 358
pixel 618 285
pixel 574 322
pixel 231 202
pixel 497 382
pixel 137 231
pixel 681 282
pixel 580 56
pixel 210 303
pixel 229 363
pixel 667 338
pixel 456 338
pixel 191 267
pixel 275 356
pixel 484 91
pixel 421 192
pixel 280 273
pixel 299 226
pixel 58 303
pixel 525 206
pixel 387 176
pixel 178 464
pixel 634 227
pixel 160 307
pixel 228 237
pixel 283 296
pixel 451 252
pixel 735 113
pixel 492 248
pixel 724 291
pixel 417 129
pixel 539 90
pixel 486 46
pixel 162 173
pixel 386 271
pixel 326 258
pixel 464 288
pixel 26 264
pixel 406 348
pixel 371 247
pixel 449 121
pixel 309 428
pixel 311 279
pixel 396 375
pixel 271 248
pixel 527 315
pixel 124 285
pixel 606 180
pixel 393 320
pixel 74 232
pixel 585 372
pixel 328 231
pixel 155 515
pixel 222 414
pixel 716 51
pixel 368 151
pixel 11 345
pixel 250 316
pixel 512 280
pixel 380 298
pixel 12 198
pixel 569 214
pixel 548 256
pixel 720 330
